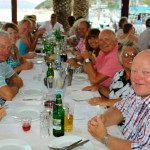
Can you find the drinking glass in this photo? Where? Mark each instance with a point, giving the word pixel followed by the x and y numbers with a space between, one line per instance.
pixel 49 101
pixel 44 124
pixel 68 118
pixel 26 123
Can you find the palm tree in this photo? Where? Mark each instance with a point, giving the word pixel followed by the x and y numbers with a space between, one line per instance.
pixel 62 8
pixel 80 8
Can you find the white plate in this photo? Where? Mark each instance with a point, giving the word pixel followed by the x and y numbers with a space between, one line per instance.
pixel 80 77
pixel 81 95
pixel 67 140
pixel 33 92
pixel 27 111
pixel 14 144
pixel 39 61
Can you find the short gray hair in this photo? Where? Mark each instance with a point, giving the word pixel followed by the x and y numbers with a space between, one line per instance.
pixel 4 33
pixel 124 45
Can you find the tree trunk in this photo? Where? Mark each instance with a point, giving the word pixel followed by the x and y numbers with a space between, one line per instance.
pixel 81 8
pixel 62 8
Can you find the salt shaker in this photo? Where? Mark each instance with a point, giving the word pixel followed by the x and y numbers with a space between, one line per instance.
pixel 44 124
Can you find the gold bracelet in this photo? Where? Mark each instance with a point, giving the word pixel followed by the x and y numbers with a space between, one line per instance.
pixel 105 138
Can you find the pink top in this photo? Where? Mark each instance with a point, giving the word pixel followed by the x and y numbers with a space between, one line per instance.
pixel 81 45
pixel 108 64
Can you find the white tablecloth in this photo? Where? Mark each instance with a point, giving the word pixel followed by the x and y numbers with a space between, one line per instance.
pixel 10 128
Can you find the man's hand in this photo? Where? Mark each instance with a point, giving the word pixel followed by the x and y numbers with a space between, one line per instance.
pixel 98 101
pixel 86 54
pixel 97 128
pixel 91 88
pixel 27 65
pixel 73 62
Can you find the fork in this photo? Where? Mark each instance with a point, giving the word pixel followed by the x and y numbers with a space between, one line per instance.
pixel 65 147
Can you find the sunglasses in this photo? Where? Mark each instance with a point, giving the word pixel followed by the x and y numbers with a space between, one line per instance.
pixel 127 55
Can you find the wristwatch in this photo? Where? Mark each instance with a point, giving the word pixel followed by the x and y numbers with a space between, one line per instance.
pixel 105 138
pixel 87 60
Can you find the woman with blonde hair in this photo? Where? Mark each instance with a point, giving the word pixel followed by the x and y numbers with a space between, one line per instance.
pixel 15 60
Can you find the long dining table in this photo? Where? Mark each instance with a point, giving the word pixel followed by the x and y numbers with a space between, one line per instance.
pixel 10 127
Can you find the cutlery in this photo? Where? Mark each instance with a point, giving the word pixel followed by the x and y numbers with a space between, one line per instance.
pixel 15 117
pixel 65 147
pixel 28 99
pixel 76 145
pixel 79 100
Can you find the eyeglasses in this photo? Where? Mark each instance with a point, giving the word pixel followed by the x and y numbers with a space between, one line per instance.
pixel 5 47
pixel 127 55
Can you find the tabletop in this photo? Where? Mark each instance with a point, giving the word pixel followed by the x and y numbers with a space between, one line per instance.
pixel 33 79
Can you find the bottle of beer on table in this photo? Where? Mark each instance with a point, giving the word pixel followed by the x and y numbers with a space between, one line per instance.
pixel 46 46
pixel 58 117
pixel 50 75
pixel 51 48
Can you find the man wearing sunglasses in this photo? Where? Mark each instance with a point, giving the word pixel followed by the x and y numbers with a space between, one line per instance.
pixel 10 83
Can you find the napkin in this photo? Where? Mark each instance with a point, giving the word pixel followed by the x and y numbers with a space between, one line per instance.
pixel 81 95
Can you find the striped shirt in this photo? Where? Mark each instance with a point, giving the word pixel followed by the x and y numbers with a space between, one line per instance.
pixel 136 112
pixel 5 73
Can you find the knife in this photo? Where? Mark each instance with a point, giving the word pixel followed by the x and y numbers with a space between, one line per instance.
pixel 28 99
pixel 76 145
pixel 66 147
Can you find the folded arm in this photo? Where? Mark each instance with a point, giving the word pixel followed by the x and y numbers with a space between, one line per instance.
pixel 8 91
pixel 97 127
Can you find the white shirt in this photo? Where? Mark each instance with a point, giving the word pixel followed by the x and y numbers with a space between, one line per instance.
pixel 50 29
pixel 144 39
pixel 119 33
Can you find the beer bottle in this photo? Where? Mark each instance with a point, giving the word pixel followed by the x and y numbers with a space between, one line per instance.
pixel 46 46
pixel 58 117
pixel 50 75
pixel 51 48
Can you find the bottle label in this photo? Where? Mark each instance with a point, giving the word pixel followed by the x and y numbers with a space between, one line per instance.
pixel 57 124
pixel 50 81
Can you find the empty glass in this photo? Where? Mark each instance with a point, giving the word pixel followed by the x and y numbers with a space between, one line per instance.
pixel 44 124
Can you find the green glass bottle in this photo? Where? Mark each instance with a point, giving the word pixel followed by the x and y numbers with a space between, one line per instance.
pixel 50 75
pixel 58 117
pixel 46 46
pixel 51 48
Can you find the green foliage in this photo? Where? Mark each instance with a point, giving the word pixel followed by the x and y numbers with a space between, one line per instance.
pixel 111 6
pixel 146 2
pixel 45 4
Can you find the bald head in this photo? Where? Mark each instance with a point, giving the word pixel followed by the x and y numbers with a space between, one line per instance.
pixel 145 53
pixel 107 40
pixel 140 73
pixel 109 32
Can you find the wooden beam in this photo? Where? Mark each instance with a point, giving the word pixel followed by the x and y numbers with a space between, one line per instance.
pixel 14 10
pixel 125 8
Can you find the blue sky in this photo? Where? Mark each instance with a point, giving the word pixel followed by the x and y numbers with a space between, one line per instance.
pixel 22 4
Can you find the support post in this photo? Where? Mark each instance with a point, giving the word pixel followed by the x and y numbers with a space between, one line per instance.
pixel 14 11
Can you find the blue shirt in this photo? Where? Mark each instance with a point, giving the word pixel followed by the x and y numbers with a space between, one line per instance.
pixel 13 63
pixel 5 73
pixel 22 47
